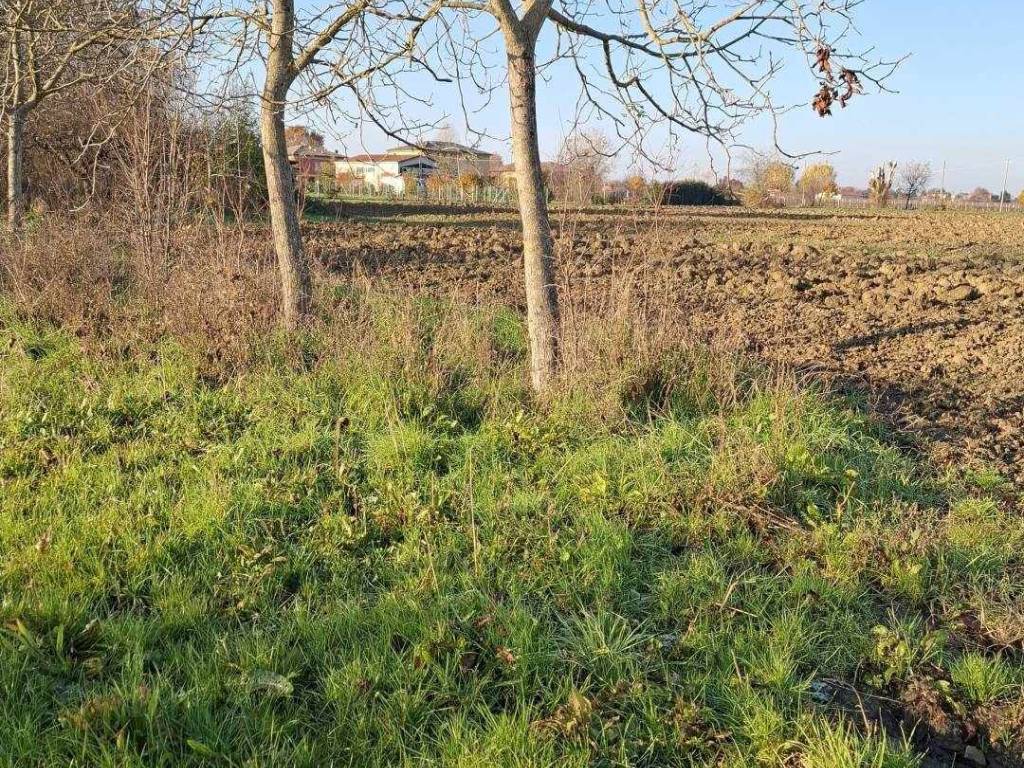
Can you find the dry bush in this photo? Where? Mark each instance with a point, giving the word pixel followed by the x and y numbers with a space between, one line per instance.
pixel 438 182
pixel 470 181
pixel 64 273
pixel 634 343
pixel 174 166
pixel 578 176
pixel 880 184
pixel 755 196
pixel 146 153
pixel 212 290
pixel 629 340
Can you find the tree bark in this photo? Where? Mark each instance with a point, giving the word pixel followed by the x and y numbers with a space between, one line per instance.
pixel 15 175
pixel 296 288
pixel 542 312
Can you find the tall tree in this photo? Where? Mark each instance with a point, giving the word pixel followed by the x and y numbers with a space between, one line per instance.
pixel 581 168
pixel 817 179
pixel 880 184
pixel 767 177
pixel 327 48
pixel 699 66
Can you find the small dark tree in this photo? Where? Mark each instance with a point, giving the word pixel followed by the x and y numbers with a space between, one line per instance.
pixel 914 178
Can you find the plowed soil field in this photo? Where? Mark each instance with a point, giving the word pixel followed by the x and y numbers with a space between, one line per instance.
pixel 923 311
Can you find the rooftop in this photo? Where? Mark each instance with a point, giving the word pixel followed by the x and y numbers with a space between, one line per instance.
pixel 391 156
pixel 440 148
pixel 314 152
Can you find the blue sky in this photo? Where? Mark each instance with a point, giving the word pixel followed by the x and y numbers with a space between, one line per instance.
pixel 958 101
pixel 956 98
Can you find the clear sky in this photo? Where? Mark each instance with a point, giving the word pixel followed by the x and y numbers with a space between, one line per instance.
pixel 956 102
pixel 959 100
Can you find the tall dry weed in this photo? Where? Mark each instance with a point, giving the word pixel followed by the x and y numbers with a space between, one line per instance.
pixel 626 337
pixel 212 289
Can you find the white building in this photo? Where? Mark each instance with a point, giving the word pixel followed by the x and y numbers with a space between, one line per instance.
pixel 454 159
pixel 388 171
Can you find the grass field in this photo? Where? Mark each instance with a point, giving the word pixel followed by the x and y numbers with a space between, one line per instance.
pixel 382 551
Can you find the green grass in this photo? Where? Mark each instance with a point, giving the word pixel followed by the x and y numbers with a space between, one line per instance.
pixel 398 558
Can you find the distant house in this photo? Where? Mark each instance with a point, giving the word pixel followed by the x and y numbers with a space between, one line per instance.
pixel 394 170
pixel 386 172
pixel 853 193
pixel 306 153
pixel 312 162
pixel 936 197
pixel 453 159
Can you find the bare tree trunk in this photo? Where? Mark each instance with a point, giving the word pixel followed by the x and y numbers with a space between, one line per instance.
pixel 296 290
pixel 15 176
pixel 296 287
pixel 542 314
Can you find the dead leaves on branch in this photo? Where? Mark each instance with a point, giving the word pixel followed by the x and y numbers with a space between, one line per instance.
pixel 830 86
pixel 823 59
pixel 849 77
pixel 822 103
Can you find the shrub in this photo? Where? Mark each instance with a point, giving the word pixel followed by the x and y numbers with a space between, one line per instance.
pixel 470 181
pixel 693 192
pixel 880 184
pixel 755 196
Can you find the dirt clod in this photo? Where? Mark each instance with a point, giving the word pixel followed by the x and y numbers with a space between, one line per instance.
pixel 959 293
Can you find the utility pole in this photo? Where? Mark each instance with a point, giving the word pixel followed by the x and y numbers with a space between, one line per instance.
pixel 943 185
pixel 1002 192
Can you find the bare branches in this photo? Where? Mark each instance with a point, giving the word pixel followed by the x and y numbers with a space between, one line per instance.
pixel 327 35
pixel 699 67
pixel 663 61
pixel 52 46
pixel 56 45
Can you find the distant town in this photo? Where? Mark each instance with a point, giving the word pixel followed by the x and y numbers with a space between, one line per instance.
pixel 447 168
